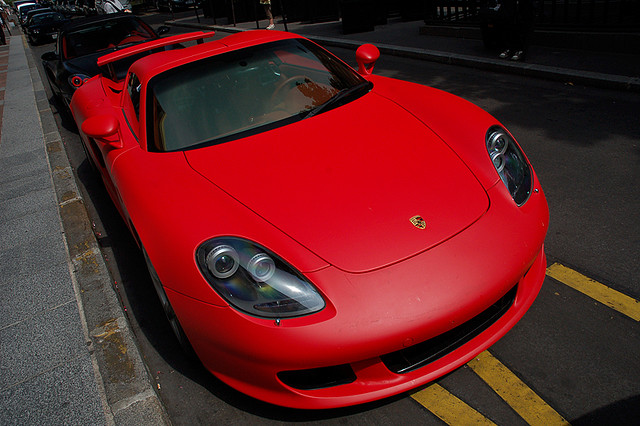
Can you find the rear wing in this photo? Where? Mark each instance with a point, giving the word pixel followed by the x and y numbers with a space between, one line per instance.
pixel 109 59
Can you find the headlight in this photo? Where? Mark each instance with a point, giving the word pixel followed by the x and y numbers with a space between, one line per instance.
pixel 509 161
pixel 255 280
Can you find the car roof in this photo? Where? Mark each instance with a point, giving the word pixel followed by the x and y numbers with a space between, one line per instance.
pixel 75 24
pixel 24 4
pixel 38 10
pixel 47 12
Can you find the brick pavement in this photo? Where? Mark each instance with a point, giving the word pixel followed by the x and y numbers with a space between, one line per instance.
pixel 56 295
pixel 4 63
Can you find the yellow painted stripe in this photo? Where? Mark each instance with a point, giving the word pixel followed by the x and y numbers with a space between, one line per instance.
pixel 448 407
pixel 514 391
pixel 600 292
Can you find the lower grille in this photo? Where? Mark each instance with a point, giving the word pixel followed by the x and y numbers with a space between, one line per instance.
pixel 318 378
pixel 421 354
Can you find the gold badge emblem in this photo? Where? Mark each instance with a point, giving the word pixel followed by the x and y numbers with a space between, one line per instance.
pixel 418 222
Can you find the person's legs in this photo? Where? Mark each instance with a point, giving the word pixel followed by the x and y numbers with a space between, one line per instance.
pixel 523 29
pixel 267 10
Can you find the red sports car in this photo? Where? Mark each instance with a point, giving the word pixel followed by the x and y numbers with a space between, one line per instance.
pixel 320 237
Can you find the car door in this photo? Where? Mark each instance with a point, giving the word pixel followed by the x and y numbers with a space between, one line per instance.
pixel 106 152
pixel 55 69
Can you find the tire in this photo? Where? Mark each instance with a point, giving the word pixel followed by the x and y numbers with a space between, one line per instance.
pixel 92 164
pixel 57 98
pixel 174 324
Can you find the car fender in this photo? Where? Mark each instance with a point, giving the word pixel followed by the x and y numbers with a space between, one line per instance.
pixel 172 216
pixel 459 123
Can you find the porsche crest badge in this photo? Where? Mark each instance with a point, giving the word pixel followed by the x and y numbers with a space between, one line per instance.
pixel 418 222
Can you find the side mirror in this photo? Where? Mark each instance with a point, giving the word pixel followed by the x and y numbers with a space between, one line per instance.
pixel 102 128
pixel 367 55
pixel 49 56
pixel 163 29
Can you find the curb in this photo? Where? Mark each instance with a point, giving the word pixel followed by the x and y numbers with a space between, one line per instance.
pixel 123 379
pixel 594 79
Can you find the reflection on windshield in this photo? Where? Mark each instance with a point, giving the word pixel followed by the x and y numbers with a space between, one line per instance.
pixel 209 100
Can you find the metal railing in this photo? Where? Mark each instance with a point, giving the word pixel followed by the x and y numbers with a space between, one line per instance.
pixel 608 14
pixel 561 14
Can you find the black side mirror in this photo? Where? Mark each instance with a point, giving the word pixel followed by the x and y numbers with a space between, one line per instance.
pixel 163 29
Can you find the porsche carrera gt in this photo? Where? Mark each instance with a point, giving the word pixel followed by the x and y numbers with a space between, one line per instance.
pixel 319 236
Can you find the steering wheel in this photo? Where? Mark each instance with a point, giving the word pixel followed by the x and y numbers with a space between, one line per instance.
pixel 277 92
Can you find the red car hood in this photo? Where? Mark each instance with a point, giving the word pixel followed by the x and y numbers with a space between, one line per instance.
pixel 346 183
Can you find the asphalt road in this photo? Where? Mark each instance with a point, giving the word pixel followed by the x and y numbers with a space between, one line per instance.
pixel 579 356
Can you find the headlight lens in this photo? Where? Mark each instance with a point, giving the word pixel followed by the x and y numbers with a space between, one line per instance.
pixel 255 280
pixel 509 161
pixel 222 261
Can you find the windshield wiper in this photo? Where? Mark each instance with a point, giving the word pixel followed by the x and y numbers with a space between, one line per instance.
pixel 338 97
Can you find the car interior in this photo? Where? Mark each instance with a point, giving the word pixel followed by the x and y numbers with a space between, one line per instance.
pixel 235 92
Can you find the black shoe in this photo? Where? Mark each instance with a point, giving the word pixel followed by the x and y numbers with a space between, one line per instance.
pixel 505 54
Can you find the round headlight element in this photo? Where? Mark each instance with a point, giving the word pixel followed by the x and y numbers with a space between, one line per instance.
pixel 510 163
pixel 255 280
pixel 497 146
pixel 261 267
pixel 223 261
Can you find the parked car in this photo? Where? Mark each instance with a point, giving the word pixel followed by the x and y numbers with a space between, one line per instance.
pixel 27 15
pixel 44 27
pixel 319 237
pixel 18 3
pixel 23 8
pixel 82 41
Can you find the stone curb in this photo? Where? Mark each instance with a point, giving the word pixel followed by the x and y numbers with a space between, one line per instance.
pixel 594 79
pixel 124 381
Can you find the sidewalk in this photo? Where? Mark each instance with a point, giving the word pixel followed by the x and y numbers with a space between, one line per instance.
pixel 415 40
pixel 67 355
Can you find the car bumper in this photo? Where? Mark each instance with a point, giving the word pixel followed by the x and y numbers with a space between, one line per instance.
pixel 372 340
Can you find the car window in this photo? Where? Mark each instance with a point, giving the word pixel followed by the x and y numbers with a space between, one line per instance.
pixel 104 35
pixel 249 90
pixel 133 88
pixel 44 19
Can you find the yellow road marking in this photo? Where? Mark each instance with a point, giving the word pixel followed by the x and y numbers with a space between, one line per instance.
pixel 514 391
pixel 524 401
pixel 603 294
pixel 448 407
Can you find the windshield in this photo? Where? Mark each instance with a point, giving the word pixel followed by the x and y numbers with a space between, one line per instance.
pixel 105 35
pixel 45 18
pixel 250 90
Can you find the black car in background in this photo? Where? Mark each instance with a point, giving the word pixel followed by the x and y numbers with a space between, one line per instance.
pixel 27 15
pixel 82 41
pixel 44 27
pixel 24 8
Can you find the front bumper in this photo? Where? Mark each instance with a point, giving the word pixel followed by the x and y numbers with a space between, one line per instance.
pixel 289 381
pixel 375 338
